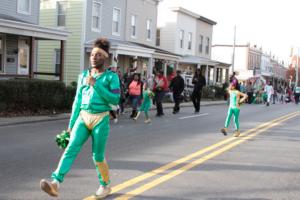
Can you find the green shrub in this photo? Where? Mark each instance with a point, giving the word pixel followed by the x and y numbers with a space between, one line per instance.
pixel 213 92
pixel 33 95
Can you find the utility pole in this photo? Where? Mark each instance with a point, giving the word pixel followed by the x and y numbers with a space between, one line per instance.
pixel 233 53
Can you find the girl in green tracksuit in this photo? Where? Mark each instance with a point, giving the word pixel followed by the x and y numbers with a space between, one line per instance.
pixel 97 89
pixel 146 105
pixel 235 100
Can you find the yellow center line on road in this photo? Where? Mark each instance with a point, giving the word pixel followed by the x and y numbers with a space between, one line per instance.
pixel 201 160
pixel 175 163
pixel 184 159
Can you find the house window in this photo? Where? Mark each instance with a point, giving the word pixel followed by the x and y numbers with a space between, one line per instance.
pixel 116 21
pixel 181 38
pixel 133 26
pixel 149 29
pixel 96 20
pixel 61 13
pixel 57 61
pixel 24 6
pixel 190 41
pixel 158 37
pixel 201 44
pixel 207 46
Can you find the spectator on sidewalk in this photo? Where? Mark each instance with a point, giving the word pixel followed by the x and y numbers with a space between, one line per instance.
pixel 160 86
pixel 269 92
pixel 199 82
pixel 249 90
pixel 97 88
pixel 177 86
pixel 135 93
pixel 234 80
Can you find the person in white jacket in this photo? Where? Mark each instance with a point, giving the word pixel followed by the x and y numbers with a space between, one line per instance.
pixel 269 90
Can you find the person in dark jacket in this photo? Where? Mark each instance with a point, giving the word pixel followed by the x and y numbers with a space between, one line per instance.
pixel 177 86
pixel 198 81
pixel 234 80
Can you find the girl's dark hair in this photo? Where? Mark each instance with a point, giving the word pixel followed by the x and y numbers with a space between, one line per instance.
pixel 102 43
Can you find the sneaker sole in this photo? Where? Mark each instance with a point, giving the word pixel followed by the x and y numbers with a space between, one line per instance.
pixel 47 188
pixel 223 131
pixel 98 197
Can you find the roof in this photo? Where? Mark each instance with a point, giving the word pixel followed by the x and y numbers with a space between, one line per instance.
pixel 7 17
pixel 192 14
pixel 17 27
pixel 132 48
pixel 201 60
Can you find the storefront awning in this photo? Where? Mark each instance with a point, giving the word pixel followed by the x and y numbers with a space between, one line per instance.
pixel 32 30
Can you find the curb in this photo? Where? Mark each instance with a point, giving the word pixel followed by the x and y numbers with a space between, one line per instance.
pixel 33 121
pixel 56 118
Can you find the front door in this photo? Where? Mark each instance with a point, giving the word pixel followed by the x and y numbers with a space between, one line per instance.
pixel 23 57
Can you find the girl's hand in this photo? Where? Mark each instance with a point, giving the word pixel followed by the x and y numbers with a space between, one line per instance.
pixel 90 80
pixel 69 131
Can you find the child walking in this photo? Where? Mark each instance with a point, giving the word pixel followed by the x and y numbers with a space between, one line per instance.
pixel 236 98
pixel 146 105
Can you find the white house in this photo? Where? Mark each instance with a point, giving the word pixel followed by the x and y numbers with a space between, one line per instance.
pixel 190 35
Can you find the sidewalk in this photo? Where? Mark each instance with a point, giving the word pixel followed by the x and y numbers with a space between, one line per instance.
pixel 42 118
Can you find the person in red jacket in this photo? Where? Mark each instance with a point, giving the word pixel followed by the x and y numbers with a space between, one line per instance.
pixel 159 88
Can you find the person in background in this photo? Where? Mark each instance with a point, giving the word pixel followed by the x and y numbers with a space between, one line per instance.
pixel 146 104
pixel 233 79
pixel 296 93
pixel 269 92
pixel 135 93
pixel 249 90
pixel 199 82
pixel 177 86
pixel 160 86
pixel 97 89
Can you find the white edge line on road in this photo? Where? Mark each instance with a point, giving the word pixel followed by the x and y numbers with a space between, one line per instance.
pixel 192 116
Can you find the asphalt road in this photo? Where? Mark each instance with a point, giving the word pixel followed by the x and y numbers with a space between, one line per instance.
pixel 262 164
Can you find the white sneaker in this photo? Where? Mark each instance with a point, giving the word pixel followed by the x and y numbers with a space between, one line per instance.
pixel 147 121
pixel 116 120
pixel 103 191
pixel 50 188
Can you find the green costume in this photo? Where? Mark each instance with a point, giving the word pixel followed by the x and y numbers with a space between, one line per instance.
pixel 234 109
pixel 90 118
pixel 146 105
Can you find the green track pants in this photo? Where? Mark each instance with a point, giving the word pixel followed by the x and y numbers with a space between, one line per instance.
pixel 236 113
pixel 80 134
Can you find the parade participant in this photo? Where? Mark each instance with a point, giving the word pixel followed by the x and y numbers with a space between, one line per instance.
pixel 177 86
pixel 97 89
pixel 135 93
pixel 199 82
pixel 146 105
pixel 234 108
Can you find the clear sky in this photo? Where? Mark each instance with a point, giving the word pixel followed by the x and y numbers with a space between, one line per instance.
pixel 270 24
